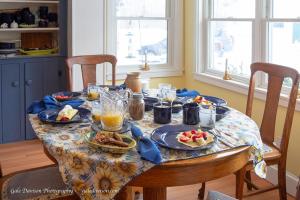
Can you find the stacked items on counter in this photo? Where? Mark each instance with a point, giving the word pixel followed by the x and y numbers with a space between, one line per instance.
pixel 33 44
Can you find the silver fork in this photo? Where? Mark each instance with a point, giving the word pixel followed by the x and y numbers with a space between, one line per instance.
pixel 222 139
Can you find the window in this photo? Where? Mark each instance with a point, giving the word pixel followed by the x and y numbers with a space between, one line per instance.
pixel 145 30
pixel 240 32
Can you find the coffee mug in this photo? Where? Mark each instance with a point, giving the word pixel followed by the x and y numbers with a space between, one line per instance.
pixel 191 113
pixel 162 113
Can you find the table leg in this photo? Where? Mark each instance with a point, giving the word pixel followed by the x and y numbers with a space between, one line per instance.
pixel 154 193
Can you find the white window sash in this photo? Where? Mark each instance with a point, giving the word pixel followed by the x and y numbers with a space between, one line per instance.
pixel 174 18
pixel 260 45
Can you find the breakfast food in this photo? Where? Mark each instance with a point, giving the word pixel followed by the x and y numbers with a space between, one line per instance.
pixel 202 100
pixel 66 114
pixel 108 138
pixel 195 138
pixel 62 97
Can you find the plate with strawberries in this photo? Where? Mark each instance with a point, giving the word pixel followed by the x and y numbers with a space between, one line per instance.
pixel 183 137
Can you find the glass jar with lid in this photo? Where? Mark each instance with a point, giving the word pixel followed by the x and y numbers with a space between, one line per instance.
pixel 136 106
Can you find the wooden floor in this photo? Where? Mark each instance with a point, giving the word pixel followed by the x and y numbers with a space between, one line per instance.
pixel 29 154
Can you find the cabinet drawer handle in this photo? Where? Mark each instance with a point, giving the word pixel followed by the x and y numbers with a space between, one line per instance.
pixel 15 83
pixel 28 82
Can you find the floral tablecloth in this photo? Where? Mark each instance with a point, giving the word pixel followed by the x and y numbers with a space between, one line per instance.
pixel 97 175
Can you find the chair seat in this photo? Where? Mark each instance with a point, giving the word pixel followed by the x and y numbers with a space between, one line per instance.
pixel 274 154
pixel 42 183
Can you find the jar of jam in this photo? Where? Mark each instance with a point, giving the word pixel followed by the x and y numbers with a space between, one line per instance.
pixel 136 106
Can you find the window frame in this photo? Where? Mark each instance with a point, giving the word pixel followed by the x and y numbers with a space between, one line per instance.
pixel 174 18
pixel 208 12
pixel 260 39
pixel 261 44
pixel 269 18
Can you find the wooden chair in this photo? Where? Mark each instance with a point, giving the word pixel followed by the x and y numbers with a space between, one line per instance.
pixel 276 75
pixel 47 177
pixel 88 67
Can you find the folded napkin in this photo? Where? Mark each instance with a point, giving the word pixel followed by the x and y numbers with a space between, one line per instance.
pixel 146 147
pixel 50 102
pixel 187 93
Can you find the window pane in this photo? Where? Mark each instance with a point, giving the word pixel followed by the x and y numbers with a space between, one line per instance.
pixel 231 41
pixel 141 8
pixel 139 37
pixel 286 8
pixel 284 44
pixel 233 8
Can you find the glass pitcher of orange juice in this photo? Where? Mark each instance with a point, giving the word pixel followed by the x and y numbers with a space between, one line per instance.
pixel 113 109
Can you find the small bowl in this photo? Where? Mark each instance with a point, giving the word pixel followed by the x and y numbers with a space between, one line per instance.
pixel 149 102
pixel 177 106
pixel 221 112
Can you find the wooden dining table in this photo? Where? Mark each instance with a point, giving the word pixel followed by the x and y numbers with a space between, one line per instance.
pixel 176 169
pixel 185 172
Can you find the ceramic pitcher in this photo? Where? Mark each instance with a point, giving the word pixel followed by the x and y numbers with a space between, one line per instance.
pixel 133 81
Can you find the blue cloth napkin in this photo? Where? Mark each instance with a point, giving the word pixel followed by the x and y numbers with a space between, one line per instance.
pixel 187 93
pixel 146 147
pixel 50 102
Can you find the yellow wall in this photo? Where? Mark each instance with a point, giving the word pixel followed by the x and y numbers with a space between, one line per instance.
pixel 234 99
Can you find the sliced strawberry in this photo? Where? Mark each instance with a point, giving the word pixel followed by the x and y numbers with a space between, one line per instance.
pixel 194 132
pixel 184 139
pixel 185 133
pixel 195 137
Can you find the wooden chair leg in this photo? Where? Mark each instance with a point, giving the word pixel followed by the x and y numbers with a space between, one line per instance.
pixel 154 193
pixel 282 181
pixel 124 194
pixel 240 175
pixel 248 176
pixel 201 192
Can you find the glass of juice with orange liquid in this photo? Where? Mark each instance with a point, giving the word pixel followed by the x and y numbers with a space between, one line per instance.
pixel 112 121
pixel 96 112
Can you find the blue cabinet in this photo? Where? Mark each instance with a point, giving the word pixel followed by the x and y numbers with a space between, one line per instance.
pixel 22 82
pixel 42 77
pixel 12 101
pixel 25 79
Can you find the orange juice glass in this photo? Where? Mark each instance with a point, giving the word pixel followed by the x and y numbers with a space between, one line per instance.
pixel 112 121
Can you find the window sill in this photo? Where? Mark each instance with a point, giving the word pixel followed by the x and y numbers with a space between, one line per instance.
pixel 241 88
pixel 154 72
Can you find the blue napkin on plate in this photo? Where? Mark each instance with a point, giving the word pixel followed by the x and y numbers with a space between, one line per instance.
pixel 146 147
pixel 187 93
pixel 50 102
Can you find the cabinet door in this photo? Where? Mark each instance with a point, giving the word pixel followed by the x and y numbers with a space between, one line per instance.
pixel 1 131
pixel 42 77
pixel 12 103
pixel 51 76
pixel 34 90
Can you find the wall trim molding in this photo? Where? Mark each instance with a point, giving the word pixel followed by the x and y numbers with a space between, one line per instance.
pixel 291 180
